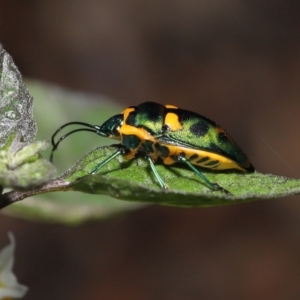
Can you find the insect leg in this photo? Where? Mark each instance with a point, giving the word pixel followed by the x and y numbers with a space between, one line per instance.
pixel 159 179
pixel 120 151
pixel 212 185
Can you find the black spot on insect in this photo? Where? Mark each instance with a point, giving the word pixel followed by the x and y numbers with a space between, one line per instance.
pixel 202 160
pixel 199 129
pixel 211 163
pixel 223 137
pixel 148 146
pixel 147 111
pixel 165 128
pixel 130 141
pixel 164 151
pixel 194 156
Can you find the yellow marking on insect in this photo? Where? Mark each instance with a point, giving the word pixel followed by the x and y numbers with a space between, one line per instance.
pixel 224 163
pixel 141 133
pixel 171 106
pixel 171 120
pixel 127 111
pixel 129 155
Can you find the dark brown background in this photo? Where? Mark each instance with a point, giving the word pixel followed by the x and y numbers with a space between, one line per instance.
pixel 237 62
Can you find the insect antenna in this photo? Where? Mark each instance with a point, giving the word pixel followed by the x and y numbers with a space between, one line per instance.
pixel 92 128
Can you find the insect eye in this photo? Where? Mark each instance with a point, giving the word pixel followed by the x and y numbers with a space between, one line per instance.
pixel 116 129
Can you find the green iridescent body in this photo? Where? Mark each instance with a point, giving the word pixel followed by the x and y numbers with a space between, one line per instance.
pixel 170 126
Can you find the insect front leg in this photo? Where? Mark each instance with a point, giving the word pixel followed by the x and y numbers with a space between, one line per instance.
pixel 212 185
pixel 121 151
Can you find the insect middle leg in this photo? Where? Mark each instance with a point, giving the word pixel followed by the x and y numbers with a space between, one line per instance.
pixel 157 176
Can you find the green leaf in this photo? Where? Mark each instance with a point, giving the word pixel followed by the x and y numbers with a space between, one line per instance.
pixel 22 167
pixel 133 181
pixel 16 104
pixel 20 164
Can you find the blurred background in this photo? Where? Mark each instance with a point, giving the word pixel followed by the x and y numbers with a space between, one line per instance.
pixel 236 62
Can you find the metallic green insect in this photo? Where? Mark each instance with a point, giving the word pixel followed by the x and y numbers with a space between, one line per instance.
pixel 171 134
